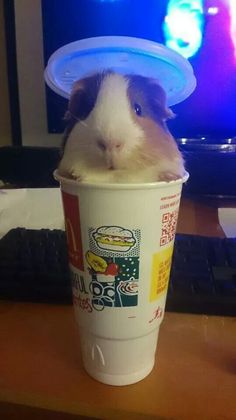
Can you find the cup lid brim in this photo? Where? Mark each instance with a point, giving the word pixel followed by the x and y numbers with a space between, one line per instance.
pixel 126 55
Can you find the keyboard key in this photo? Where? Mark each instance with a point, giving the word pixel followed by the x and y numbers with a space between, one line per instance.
pixel 204 286
pixel 224 274
pixel 217 252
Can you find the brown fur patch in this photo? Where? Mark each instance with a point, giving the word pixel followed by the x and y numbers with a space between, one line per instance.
pixel 147 93
pixel 82 100
pixel 159 142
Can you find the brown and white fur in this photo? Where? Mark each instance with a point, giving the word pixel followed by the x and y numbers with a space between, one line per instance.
pixel 116 131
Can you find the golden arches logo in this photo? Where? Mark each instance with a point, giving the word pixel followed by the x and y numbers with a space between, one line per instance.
pixel 71 234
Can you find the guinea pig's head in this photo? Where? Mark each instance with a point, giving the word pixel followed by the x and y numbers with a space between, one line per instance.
pixel 111 116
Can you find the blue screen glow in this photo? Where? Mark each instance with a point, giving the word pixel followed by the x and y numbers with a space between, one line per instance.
pixel 204 31
pixel 232 8
pixel 183 26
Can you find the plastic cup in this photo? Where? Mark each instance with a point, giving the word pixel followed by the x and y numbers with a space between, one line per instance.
pixel 120 241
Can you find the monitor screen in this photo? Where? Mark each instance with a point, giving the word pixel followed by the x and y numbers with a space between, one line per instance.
pixel 202 31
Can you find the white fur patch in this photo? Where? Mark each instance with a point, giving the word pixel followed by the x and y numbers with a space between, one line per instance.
pixel 111 116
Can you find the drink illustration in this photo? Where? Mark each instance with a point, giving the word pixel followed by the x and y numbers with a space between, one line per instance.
pixel 127 288
pixel 114 280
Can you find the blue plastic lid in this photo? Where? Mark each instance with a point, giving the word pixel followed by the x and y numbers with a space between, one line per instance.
pixel 125 55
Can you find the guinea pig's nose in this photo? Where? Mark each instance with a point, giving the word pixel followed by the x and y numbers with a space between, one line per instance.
pixel 117 145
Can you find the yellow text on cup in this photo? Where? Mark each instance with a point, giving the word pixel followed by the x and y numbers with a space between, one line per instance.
pixel 161 264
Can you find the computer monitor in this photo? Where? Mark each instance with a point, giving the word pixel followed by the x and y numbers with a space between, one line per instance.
pixel 43 26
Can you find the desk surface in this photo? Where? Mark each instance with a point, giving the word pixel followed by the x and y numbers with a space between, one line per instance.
pixel 194 376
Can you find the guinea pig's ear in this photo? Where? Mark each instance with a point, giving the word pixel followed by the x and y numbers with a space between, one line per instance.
pixel 77 102
pixel 83 97
pixel 158 102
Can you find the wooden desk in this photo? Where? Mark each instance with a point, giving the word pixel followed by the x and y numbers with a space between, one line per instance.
pixel 194 376
pixel 200 218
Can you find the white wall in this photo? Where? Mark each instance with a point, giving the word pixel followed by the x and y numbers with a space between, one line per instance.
pixel 30 67
pixel 5 125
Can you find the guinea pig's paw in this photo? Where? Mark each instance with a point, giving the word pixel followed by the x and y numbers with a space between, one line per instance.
pixel 168 176
pixel 75 175
pixel 78 178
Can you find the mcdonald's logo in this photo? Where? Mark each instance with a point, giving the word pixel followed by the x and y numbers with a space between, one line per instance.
pixel 73 230
pixel 70 234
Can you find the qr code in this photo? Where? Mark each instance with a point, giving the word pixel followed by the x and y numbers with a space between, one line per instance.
pixel 168 228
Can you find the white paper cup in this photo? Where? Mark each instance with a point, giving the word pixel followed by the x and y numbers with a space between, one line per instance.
pixel 120 241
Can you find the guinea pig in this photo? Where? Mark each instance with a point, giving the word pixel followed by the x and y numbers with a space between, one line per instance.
pixel 116 131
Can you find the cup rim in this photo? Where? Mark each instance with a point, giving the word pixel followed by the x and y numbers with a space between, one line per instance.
pixel 119 186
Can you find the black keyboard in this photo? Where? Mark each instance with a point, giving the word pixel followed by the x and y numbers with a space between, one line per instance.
pixel 34 267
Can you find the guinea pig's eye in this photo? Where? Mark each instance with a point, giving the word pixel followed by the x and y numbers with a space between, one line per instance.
pixel 101 145
pixel 138 109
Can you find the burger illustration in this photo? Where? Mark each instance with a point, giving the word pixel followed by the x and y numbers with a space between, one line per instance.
pixel 114 238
